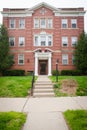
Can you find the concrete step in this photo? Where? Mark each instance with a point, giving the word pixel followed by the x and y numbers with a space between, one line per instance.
pixel 44 82
pixel 51 94
pixel 47 85
pixel 43 87
pixel 43 90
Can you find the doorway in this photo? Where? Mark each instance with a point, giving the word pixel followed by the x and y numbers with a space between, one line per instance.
pixel 43 66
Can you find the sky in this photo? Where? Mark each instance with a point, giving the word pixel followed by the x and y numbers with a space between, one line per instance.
pixel 55 3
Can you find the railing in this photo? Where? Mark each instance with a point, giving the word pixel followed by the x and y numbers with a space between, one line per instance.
pixel 33 79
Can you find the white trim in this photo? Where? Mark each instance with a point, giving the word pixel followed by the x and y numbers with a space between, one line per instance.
pixel 10 23
pixel 64 22
pixel 11 37
pixel 23 40
pixel 69 13
pixel 65 57
pixel 37 49
pixel 20 27
pixel 45 5
pixel 74 39
pixel 46 39
pixel 64 41
pixel 49 49
pixel 43 56
pixel 21 59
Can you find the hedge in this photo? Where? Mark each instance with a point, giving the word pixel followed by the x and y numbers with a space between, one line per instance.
pixel 71 72
pixel 14 73
pixel 54 72
pixel 67 72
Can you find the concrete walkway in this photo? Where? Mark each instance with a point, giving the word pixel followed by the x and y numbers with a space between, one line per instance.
pixel 43 113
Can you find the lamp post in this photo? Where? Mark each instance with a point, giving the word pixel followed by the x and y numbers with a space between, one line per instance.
pixel 57 70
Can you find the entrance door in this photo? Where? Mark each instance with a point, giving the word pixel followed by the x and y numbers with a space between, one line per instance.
pixel 43 67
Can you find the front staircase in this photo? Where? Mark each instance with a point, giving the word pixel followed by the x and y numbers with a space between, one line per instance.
pixel 43 87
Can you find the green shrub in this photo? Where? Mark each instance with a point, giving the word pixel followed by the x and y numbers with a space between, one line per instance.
pixel 54 72
pixel 14 73
pixel 56 86
pixel 71 72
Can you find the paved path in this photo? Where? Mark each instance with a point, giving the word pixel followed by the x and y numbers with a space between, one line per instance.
pixel 43 113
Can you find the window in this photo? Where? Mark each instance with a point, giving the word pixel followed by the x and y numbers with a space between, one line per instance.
pixel 21 23
pixel 73 59
pixel 64 23
pixel 74 23
pixel 12 23
pixel 64 41
pixel 21 41
pixel 36 23
pixel 49 40
pixel 36 40
pixel 50 23
pixel 21 59
pixel 43 40
pixel 43 23
pixel 11 41
pixel 74 41
pixel 65 59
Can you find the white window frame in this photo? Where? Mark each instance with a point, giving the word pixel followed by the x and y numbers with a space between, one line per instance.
pixel 64 23
pixel 21 41
pixel 46 40
pixel 12 23
pixel 36 23
pixel 73 60
pixel 42 26
pixel 73 41
pixel 42 40
pixel 36 42
pixel 11 39
pixel 50 41
pixel 74 23
pixel 65 59
pixel 64 41
pixel 50 23
pixel 20 57
pixel 22 23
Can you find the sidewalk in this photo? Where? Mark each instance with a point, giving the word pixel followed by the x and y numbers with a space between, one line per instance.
pixel 43 113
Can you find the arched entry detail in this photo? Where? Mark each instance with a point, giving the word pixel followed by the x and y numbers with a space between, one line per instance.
pixel 45 58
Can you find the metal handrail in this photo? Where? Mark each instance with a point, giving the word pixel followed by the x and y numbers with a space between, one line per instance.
pixel 33 79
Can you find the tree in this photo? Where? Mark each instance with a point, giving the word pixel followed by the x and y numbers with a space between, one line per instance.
pixel 81 53
pixel 6 59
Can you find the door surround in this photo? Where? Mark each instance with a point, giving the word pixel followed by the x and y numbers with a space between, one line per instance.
pixel 43 56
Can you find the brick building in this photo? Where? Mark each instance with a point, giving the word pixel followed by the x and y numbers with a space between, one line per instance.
pixel 42 34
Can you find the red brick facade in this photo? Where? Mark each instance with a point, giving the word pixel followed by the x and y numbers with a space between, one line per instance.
pixel 45 30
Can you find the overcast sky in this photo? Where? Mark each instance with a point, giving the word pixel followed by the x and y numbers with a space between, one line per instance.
pixel 55 3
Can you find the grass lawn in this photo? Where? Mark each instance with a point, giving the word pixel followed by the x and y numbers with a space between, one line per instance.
pixel 76 119
pixel 15 86
pixel 81 80
pixel 12 120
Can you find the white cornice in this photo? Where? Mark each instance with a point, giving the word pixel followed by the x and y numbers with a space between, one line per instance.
pixel 29 12
pixel 69 13
pixel 24 13
pixel 45 5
